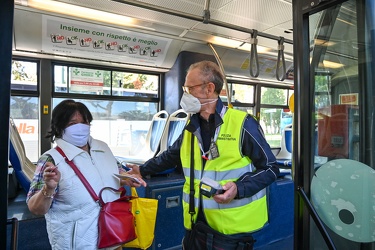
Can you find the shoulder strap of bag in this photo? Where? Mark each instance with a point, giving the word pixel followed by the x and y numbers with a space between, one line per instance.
pixel 80 175
pixel 192 190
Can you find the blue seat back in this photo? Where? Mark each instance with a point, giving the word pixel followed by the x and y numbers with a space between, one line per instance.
pixel 23 167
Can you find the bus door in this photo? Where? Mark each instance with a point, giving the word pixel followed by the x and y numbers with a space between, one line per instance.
pixel 335 158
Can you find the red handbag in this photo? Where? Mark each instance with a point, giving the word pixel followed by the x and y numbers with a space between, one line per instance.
pixel 116 221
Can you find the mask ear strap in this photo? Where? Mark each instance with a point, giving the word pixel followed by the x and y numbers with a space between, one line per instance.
pixel 211 101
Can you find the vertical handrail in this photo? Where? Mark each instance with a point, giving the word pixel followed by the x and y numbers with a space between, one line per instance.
pixel 14 236
pixel 229 95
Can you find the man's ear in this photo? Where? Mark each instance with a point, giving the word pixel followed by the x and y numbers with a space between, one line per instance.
pixel 210 89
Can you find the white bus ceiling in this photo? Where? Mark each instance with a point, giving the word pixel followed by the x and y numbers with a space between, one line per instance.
pixel 182 27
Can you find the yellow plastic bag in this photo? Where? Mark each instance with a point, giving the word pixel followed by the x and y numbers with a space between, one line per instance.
pixel 144 211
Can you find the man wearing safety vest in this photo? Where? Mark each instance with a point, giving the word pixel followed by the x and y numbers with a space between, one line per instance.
pixel 227 165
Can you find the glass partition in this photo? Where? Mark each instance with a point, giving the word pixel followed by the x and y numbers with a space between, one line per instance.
pixel 343 180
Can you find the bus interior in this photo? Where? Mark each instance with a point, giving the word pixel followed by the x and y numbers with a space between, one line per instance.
pixel 302 68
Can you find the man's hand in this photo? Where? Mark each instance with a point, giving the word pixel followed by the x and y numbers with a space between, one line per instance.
pixel 230 193
pixel 134 171
pixel 133 183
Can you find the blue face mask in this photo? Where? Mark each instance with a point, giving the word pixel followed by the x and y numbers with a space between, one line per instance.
pixel 77 134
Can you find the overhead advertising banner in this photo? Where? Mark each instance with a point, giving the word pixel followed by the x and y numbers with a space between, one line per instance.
pixel 73 38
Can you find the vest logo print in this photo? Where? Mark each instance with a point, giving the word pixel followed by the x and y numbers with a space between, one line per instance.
pixel 226 137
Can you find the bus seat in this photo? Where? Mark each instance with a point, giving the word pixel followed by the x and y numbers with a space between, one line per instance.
pixel 175 125
pixel 31 234
pixel 23 167
pixel 153 139
pixel 286 143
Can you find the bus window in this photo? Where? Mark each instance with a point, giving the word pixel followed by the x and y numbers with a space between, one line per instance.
pixel 273 114
pixel 133 84
pixel 24 76
pixel 286 118
pixel 24 105
pixel 123 125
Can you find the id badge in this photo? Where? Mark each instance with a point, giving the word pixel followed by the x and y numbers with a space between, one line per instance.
pixel 214 150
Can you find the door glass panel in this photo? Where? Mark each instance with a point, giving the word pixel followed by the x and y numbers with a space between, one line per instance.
pixel 343 183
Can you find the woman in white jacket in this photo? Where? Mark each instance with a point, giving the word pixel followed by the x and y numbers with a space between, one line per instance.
pixel 57 192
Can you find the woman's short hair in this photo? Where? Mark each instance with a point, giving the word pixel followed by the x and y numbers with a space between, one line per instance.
pixel 62 114
pixel 210 72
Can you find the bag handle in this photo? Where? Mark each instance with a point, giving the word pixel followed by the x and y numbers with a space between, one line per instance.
pixel 134 192
pixel 81 177
pixel 121 189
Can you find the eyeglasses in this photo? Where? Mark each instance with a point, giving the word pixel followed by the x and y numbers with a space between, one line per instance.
pixel 187 89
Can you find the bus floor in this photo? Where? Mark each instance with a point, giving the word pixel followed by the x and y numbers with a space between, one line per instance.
pixel 32 233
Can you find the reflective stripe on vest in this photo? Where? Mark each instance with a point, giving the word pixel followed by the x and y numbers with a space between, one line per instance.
pixel 243 215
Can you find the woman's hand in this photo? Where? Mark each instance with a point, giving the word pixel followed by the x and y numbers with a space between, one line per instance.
pixel 51 176
pixel 40 202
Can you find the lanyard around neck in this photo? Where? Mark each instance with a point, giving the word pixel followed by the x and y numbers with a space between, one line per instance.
pixel 206 155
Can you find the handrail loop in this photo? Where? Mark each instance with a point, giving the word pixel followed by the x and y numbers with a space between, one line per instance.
pixel 280 59
pixel 254 54
pixel 206 12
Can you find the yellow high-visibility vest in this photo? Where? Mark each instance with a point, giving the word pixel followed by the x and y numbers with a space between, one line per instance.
pixel 240 215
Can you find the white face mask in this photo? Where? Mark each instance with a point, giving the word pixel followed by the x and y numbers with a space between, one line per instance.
pixel 191 104
pixel 77 134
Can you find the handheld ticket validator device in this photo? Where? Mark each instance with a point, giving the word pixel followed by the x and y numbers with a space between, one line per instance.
pixel 209 187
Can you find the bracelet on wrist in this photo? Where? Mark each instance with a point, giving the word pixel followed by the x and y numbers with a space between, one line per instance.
pixel 45 194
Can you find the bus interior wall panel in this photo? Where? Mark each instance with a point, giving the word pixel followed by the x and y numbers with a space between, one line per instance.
pixel 27 37
pixel 169 227
pixel 45 118
pixel 279 232
pixel 175 78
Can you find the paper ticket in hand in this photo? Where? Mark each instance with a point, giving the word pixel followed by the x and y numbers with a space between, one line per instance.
pixel 127 176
